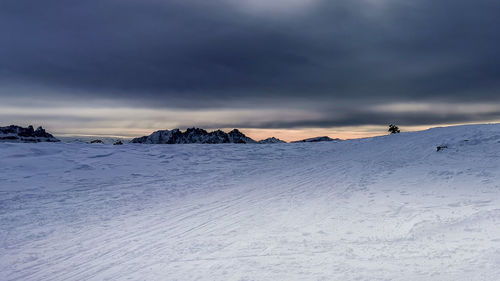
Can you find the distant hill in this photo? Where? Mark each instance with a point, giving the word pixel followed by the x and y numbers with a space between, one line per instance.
pixel 193 135
pixel 88 139
pixel 317 139
pixel 15 133
pixel 271 140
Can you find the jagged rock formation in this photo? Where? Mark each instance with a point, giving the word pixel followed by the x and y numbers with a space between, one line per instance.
pixel 96 141
pixel 235 136
pixel 317 139
pixel 271 140
pixel 14 133
pixel 193 135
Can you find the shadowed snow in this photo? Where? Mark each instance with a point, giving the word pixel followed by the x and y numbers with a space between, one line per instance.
pixel 384 208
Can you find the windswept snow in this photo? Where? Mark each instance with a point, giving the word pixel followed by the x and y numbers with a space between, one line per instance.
pixel 385 208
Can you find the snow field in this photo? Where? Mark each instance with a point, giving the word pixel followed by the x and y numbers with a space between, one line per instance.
pixel 384 208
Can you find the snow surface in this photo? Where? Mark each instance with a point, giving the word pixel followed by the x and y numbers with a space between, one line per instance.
pixel 384 208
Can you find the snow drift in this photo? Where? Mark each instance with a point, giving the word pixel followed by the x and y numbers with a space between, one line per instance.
pixel 384 208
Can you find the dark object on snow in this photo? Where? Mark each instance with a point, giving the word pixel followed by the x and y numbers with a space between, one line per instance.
pixel 193 135
pixel 118 143
pixel 317 139
pixel 393 129
pixel 441 147
pixel 14 133
pixel 96 141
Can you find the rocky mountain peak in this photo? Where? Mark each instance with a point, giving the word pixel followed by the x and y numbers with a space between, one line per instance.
pixel 193 135
pixel 15 133
pixel 271 140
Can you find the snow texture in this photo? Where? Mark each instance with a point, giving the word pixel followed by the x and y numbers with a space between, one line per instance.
pixel 384 208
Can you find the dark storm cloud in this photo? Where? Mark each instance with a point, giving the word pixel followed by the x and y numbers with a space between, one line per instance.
pixel 199 54
pixel 360 117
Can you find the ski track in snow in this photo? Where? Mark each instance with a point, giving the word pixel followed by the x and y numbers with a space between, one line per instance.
pixel 384 208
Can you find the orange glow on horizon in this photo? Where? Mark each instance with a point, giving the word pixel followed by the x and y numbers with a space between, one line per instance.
pixel 288 135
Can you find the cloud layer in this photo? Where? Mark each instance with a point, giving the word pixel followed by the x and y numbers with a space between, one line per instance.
pixel 341 61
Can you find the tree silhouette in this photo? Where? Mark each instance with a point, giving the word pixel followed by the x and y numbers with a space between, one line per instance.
pixel 393 129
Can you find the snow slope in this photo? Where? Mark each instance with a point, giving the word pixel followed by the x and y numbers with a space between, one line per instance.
pixel 384 208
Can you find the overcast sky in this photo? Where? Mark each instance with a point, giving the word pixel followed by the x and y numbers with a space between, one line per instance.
pixel 127 67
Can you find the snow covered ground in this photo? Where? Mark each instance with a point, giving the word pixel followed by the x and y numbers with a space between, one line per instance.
pixel 384 208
